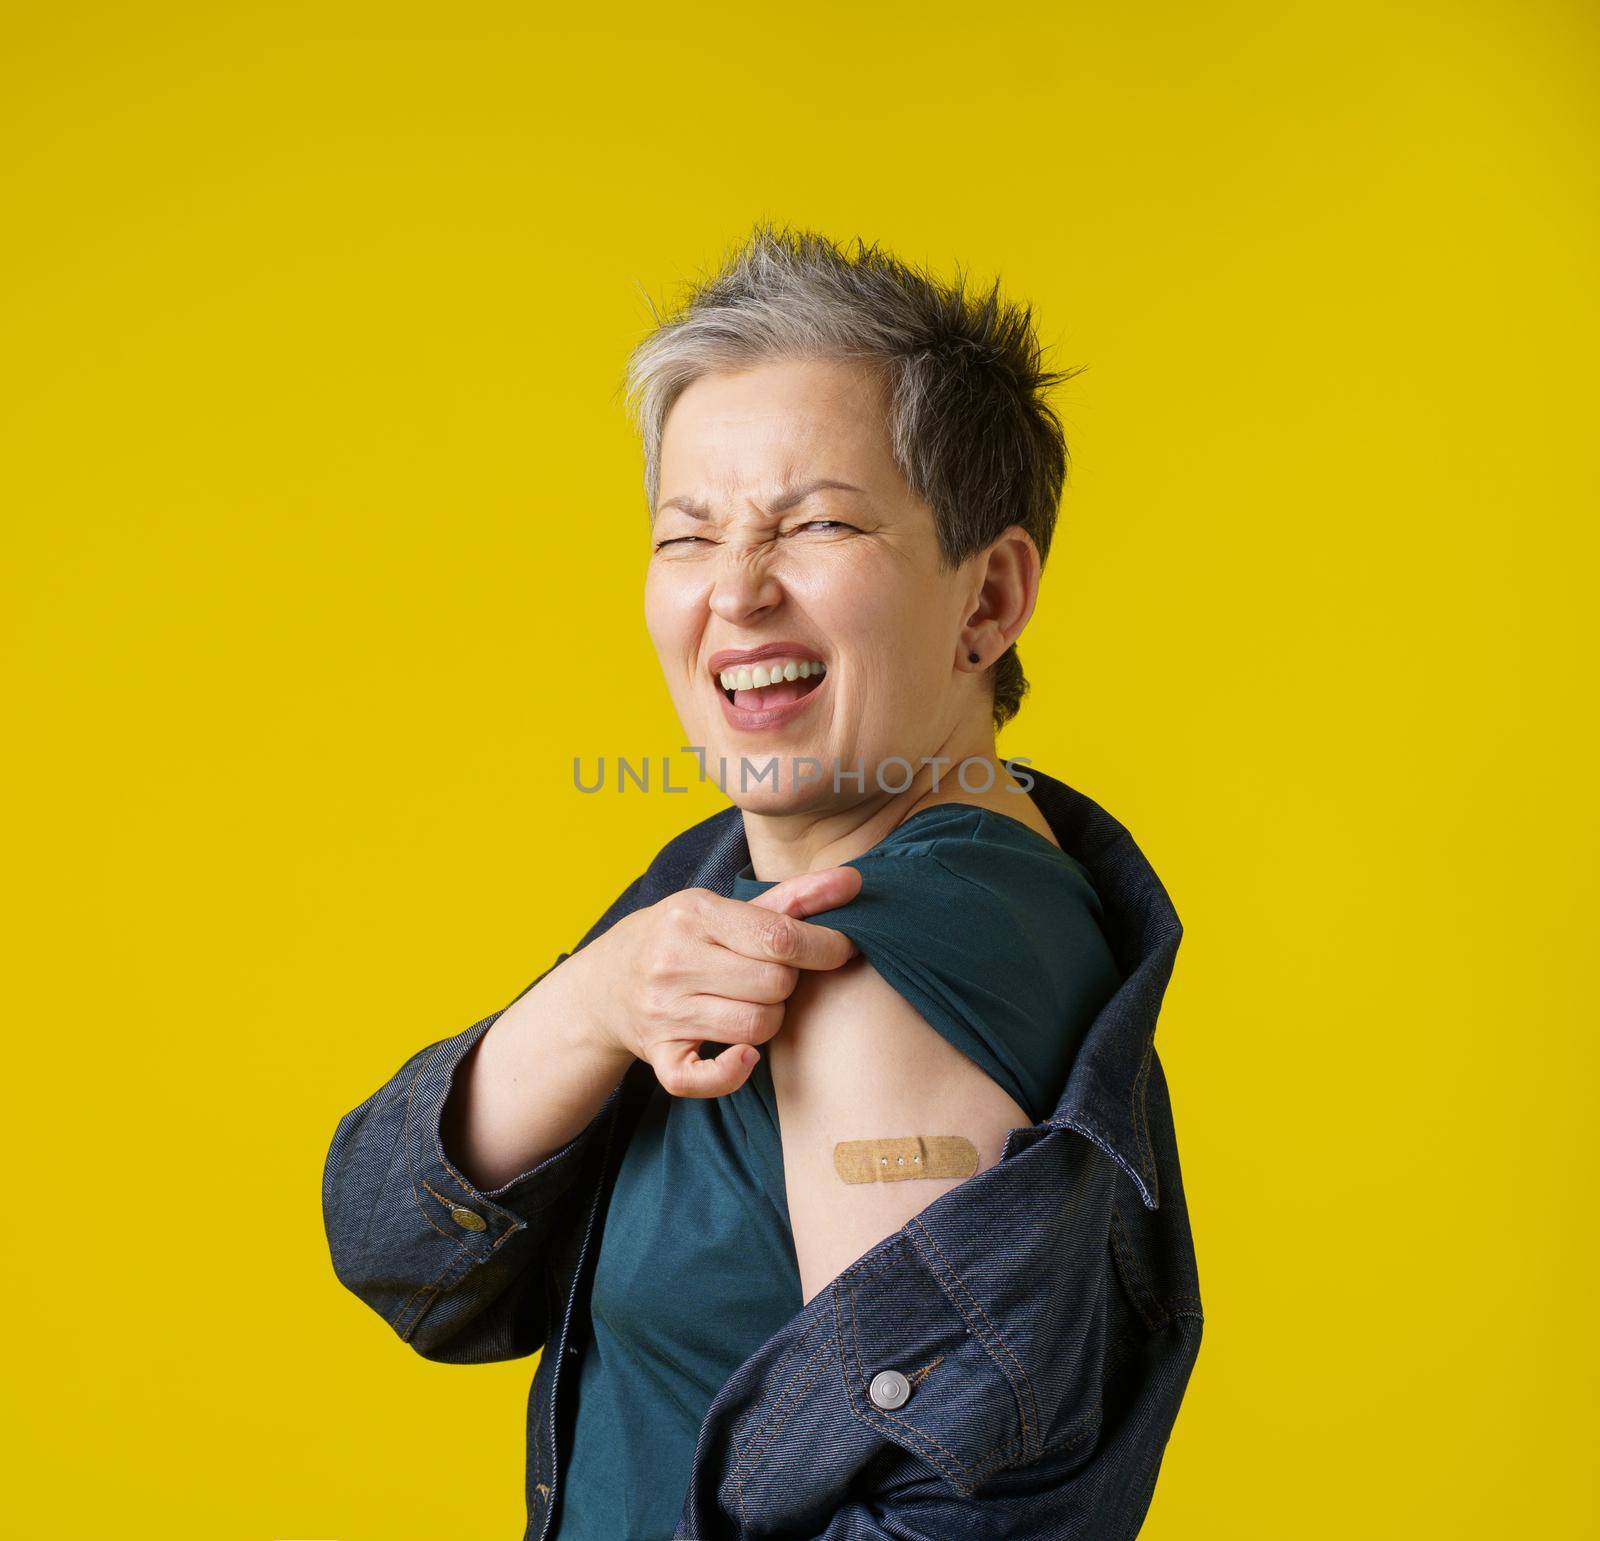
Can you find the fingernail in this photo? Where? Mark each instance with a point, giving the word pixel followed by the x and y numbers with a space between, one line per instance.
pixel 750 1057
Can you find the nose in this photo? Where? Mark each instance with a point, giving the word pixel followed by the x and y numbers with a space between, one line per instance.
pixel 745 587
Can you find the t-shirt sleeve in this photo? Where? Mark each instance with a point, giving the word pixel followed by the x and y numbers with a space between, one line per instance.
pixel 999 950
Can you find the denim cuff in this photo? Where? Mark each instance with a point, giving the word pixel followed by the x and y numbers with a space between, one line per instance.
pixel 476 1220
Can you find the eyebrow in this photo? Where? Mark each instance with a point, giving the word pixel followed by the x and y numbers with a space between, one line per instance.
pixel 784 500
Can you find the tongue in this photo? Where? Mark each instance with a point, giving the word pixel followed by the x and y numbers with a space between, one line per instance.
pixel 769 696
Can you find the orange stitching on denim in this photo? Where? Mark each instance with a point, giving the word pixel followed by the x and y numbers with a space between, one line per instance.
pixel 1000 1456
pixel 744 1456
pixel 449 1203
pixel 796 1383
pixel 1080 1428
pixel 955 1278
pixel 871 1270
pixel 403 1144
pixel 459 1180
pixel 403 1324
pixel 796 1387
pixel 894 1246
pixel 422 1290
pixel 911 1429
pixel 421 1297
pixel 822 1354
pixel 422 1070
pixel 974 1473
pixel 435 1224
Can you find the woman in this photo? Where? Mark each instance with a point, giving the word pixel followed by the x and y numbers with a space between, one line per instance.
pixel 794 1070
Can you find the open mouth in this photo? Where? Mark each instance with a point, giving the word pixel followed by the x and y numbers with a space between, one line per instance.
pixel 772 683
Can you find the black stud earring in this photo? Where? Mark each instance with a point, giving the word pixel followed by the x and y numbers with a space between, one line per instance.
pixel 972 657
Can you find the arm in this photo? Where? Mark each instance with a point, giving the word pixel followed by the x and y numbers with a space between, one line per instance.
pixel 402 1216
pixel 459 1268
pixel 855 1058
pixel 533 1082
pixel 857 1062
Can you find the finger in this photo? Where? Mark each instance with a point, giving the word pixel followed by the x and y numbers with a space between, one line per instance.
pixel 809 893
pixel 775 937
pixel 734 1020
pixel 768 927
pixel 718 970
pixel 682 1072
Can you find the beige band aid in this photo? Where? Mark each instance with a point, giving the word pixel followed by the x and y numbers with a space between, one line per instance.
pixel 912 1155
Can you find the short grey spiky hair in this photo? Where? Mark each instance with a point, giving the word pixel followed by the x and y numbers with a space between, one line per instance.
pixel 968 423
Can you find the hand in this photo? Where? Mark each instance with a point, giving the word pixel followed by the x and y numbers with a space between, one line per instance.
pixel 697 966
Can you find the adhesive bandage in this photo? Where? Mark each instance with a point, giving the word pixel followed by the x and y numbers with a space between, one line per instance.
pixel 905 1157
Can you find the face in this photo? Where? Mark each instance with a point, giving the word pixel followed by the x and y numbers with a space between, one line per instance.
pixel 835 592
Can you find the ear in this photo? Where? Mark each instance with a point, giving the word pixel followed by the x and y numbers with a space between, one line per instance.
pixel 1007 576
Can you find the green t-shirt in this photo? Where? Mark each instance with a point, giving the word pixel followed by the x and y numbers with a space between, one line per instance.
pixel 994 936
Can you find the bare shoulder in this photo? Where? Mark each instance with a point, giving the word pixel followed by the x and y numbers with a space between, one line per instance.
pixel 854 1061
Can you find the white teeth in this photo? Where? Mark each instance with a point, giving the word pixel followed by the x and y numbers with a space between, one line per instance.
pixel 758 676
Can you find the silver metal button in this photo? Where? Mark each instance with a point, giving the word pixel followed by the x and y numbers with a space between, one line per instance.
pixel 889 1389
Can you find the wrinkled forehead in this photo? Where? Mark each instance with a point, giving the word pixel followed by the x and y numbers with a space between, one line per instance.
pixel 736 437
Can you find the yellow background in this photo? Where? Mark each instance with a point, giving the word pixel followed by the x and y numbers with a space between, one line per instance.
pixel 323 548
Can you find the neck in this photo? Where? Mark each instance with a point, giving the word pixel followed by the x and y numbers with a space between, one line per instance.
pixel 784 844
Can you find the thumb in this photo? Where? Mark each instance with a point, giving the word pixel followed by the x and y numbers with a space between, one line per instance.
pixel 809 893
pixel 683 1073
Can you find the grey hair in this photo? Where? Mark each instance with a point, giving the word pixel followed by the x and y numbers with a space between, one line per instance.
pixel 969 426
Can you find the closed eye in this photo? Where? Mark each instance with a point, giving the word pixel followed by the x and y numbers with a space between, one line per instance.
pixel 810 524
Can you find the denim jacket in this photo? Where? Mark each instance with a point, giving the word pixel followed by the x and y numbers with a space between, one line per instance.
pixel 1045 1313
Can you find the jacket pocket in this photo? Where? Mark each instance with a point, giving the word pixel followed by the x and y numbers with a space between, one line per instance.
pixel 928 1369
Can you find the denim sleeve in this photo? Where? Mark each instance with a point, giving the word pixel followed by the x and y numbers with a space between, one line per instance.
pixel 459 1273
